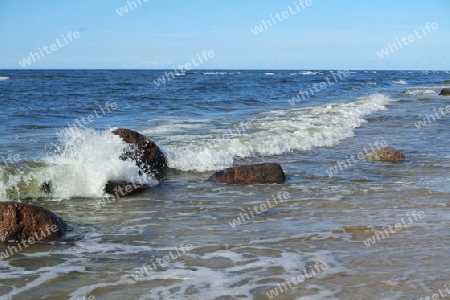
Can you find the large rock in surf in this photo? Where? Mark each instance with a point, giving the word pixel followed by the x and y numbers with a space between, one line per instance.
pixel 23 221
pixel 259 173
pixel 445 92
pixel 146 153
pixel 387 154
pixel 122 188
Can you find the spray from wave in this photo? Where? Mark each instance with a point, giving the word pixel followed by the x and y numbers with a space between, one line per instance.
pixel 85 160
pixel 271 133
pixel 81 165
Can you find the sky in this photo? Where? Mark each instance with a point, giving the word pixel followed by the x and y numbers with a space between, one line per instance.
pixel 150 34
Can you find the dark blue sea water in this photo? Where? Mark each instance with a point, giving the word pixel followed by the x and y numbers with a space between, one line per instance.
pixel 55 128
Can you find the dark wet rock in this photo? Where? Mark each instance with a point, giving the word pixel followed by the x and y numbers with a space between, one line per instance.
pixel 445 92
pixel 259 173
pixel 46 187
pixel 23 221
pixel 387 154
pixel 122 188
pixel 146 153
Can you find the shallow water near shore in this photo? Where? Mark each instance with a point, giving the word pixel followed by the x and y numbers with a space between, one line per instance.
pixel 197 120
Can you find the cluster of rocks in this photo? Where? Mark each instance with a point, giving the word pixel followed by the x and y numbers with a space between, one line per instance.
pixel 21 221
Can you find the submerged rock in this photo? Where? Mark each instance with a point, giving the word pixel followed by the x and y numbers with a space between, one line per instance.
pixel 146 153
pixel 445 92
pixel 387 154
pixel 122 188
pixel 24 221
pixel 259 173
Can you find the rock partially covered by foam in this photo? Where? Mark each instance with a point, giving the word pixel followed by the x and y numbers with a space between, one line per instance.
pixel 23 221
pixel 387 154
pixel 259 173
pixel 445 92
pixel 145 153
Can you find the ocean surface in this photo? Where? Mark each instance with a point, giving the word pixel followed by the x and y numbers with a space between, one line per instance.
pixel 342 228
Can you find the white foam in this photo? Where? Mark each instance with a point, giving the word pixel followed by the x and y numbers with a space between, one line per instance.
pixel 45 274
pixel 82 163
pixel 399 81
pixel 271 133
pixel 419 92
pixel 309 73
pixel 2 78
pixel 87 160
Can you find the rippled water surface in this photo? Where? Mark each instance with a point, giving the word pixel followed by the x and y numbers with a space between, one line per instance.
pixel 188 238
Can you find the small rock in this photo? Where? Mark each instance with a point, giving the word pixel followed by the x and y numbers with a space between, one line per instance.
pixel 259 173
pixel 22 221
pixel 445 92
pixel 386 154
pixel 46 187
pixel 122 188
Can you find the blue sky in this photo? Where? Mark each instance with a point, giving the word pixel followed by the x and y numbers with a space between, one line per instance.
pixel 328 34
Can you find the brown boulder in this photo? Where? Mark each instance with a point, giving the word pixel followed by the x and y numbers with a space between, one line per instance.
pixel 386 154
pixel 445 92
pixel 122 188
pixel 259 173
pixel 146 153
pixel 23 221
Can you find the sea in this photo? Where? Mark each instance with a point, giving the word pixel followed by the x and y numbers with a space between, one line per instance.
pixel 340 227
